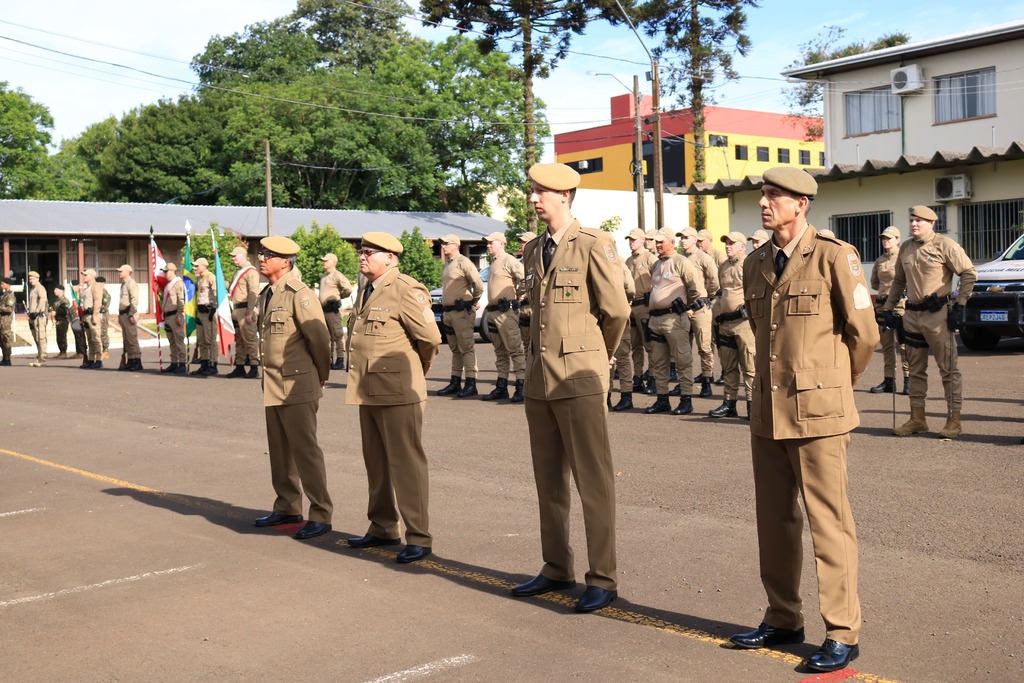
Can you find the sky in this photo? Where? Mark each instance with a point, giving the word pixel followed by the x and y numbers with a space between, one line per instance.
pixel 162 38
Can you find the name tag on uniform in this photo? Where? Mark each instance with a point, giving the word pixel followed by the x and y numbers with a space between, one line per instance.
pixel 568 270
pixel 529 278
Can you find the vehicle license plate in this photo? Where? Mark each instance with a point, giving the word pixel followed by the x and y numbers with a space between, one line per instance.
pixel 994 316
pixel 437 317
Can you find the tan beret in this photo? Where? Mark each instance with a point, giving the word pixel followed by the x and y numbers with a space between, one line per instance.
pixel 558 177
pixel 238 251
pixel 635 234
pixel 279 244
pixel 170 266
pixel 825 232
pixel 734 236
pixel 793 180
pixel 89 271
pixel 329 256
pixel 496 237
pixel 663 235
pixel 383 240
pixel 526 237
pixel 759 236
pixel 704 235
pixel 687 232
pixel 922 211
pixel 451 239
pixel 891 231
pixel 126 269
pixel 202 262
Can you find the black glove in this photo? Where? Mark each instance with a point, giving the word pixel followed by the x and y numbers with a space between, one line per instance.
pixel 955 317
pixel 892 321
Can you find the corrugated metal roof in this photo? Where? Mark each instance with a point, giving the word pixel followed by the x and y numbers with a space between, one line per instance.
pixel 99 219
pixel 872 167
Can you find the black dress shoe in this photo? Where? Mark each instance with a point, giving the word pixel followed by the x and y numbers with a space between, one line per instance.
pixel 312 530
pixel 369 541
pixel 766 635
pixel 595 598
pixel 832 656
pixel 412 553
pixel 539 585
pixel 275 518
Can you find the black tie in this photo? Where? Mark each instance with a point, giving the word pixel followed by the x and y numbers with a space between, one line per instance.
pixel 366 293
pixel 549 252
pixel 780 263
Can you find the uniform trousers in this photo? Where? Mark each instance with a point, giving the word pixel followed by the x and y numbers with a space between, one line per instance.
pixel 206 336
pixel 931 329
pixel 62 336
pixel 336 326
pixel 508 344
pixel 461 342
pixel 94 334
pixel 814 468
pixel 38 327
pixel 571 435
pixel 624 362
pixel 737 363
pixel 105 330
pixel 890 342
pixel 174 326
pixel 700 334
pixel 81 347
pixel 396 471
pixel 247 350
pixel 639 343
pixel 675 329
pixel 295 457
pixel 130 335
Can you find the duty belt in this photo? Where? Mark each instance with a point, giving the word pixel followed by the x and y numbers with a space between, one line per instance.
pixel 636 303
pixel 169 313
pixel 881 299
pixel 726 317
pixel 500 306
pixel 658 312
pixel 468 306
pixel 242 304
pixel 124 311
pixel 929 303
pixel 5 313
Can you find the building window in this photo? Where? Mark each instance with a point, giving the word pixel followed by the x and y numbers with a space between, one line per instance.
pixel 718 140
pixel 872 111
pixel 986 228
pixel 741 152
pixel 821 159
pixel 805 157
pixel 584 166
pixel 966 95
pixel 783 155
pixel 762 154
pixel 862 231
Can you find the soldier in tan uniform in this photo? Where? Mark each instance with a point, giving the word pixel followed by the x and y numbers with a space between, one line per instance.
pixel 92 298
pixel 700 323
pixel 640 263
pixel 461 289
pixel 735 336
pixel 127 309
pixel 206 318
pixel 38 307
pixel 7 302
pixel 706 243
pixel 925 268
pixel 334 287
pixel 504 278
pixel 758 238
pixel 394 340
pixel 677 292
pixel 294 345
pixel 104 317
pixel 174 320
pixel 881 281
pixel 243 292
pixel 524 303
pixel 623 357
pixel 814 332
pixel 575 284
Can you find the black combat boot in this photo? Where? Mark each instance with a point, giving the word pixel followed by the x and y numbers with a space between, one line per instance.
pixel 651 389
pixel 499 392
pixel 906 386
pixel 86 364
pixel 673 376
pixel 341 363
pixel 697 379
pixel 685 406
pixel 517 395
pixel 136 365
pixel 96 365
pixel 638 384
pixel 705 387
pixel 748 411
pixel 239 371
pixel 181 369
pixel 254 372
pixel 169 369
pixel 453 387
pixel 126 367
pixel 468 389
pixel 721 379
pixel 727 409
pixel 211 368
pixel 677 391
pixel 660 406
pixel 200 370
pixel 625 402
pixel 888 386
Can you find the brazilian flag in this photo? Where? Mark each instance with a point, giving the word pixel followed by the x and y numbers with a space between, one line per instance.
pixel 189 278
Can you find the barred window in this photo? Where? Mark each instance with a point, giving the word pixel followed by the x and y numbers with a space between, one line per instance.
pixel 862 231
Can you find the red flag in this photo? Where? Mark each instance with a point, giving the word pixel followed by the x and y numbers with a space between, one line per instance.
pixel 158 279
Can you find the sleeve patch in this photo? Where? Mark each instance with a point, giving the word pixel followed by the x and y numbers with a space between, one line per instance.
pixel 861 297
pixel 421 298
pixel 609 251
pixel 304 302
pixel 854 264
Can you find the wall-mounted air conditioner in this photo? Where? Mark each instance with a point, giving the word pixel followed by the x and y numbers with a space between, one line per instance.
pixel 906 79
pixel 951 188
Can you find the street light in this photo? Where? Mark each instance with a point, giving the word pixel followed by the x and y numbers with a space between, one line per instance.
pixel 638 153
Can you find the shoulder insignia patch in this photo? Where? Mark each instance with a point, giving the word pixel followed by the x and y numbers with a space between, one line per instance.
pixel 854 264
pixel 609 251
pixel 420 297
pixel 861 297
pixel 304 302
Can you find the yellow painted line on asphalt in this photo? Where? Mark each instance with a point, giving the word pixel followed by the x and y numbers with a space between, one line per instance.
pixel 477 577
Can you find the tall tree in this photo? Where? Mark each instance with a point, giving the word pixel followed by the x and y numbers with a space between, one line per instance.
pixel 25 132
pixel 706 34
pixel 805 99
pixel 350 35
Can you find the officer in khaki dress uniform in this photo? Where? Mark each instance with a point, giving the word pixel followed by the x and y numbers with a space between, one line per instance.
pixel 244 290
pixel 524 302
pixel 640 263
pixel 127 309
pixel 92 298
pixel 393 342
pixel 206 318
pixel 174 320
pixel 334 287
pixel 7 302
pixel 925 268
pixel 815 332
pixel 735 338
pixel 461 289
pixel 504 277
pixel 700 323
pixel 575 283
pixel 881 280
pixel 38 307
pixel 294 348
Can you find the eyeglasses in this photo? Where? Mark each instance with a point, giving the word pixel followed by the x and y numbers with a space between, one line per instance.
pixel 266 255
pixel 369 252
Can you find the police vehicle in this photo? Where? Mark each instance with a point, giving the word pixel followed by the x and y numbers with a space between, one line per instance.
pixel 481 317
pixel 996 309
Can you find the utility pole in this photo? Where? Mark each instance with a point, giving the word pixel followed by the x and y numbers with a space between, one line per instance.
pixel 266 155
pixel 659 180
pixel 638 157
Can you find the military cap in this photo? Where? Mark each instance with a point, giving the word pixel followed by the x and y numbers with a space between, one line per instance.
pixel 280 245
pixel 201 261
pixel 758 236
pixel 74 283
pixel 793 180
pixel 663 235
pixel 526 237
pixel 922 211
pixel 451 239
pixel 100 278
pixel 238 251
pixel 495 236
pixel 635 234
pixel 329 256
pixel 125 268
pixel 825 232
pixel 558 177
pixel 33 273
pixel 735 236
pixel 58 286
pixel 89 271
pixel 7 281
pixel 687 232
pixel 170 266
pixel 891 231
pixel 704 235
pixel 385 241
pixel 650 234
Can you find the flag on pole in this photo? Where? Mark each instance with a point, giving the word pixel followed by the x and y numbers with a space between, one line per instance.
pixel 157 279
pixel 225 326
pixel 189 279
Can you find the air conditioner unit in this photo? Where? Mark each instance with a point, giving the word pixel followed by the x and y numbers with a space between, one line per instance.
pixel 906 79
pixel 950 188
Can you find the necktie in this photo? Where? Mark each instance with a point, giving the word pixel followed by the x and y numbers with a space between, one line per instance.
pixel 780 263
pixel 267 293
pixel 549 252
pixel 366 293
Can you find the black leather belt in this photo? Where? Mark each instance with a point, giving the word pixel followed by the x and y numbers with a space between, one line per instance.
pixel 726 317
pixel 931 303
pixel 658 312
pixel 5 313
pixel 512 306
pixel 636 303
pixel 242 304
pixel 168 313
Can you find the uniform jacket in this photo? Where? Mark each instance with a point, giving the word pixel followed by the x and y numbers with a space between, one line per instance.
pixel 460 280
pixel 129 297
pixel 579 312
pixel 174 296
pixel 393 341
pixel 881 279
pixel 707 267
pixel 206 290
pixel 730 279
pixel 295 346
pixel 814 331
pixel 62 310
pixel 333 286
pixel 245 287
pixel 37 301
pixel 640 266
pixel 503 278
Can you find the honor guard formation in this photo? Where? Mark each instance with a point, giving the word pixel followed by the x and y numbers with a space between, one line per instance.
pixel 793 321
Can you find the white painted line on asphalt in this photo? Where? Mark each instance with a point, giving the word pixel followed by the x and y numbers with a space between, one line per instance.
pixel 20 512
pixel 425 669
pixel 102 584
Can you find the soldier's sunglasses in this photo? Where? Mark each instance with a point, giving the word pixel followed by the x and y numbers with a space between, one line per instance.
pixel 266 254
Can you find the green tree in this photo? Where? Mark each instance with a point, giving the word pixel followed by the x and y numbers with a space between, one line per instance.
pixel 25 125
pixel 77 164
pixel 202 247
pixel 317 241
pixel 353 36
pixel 805 99
pixel 418 260
pixel 275 51
pixel 611 224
